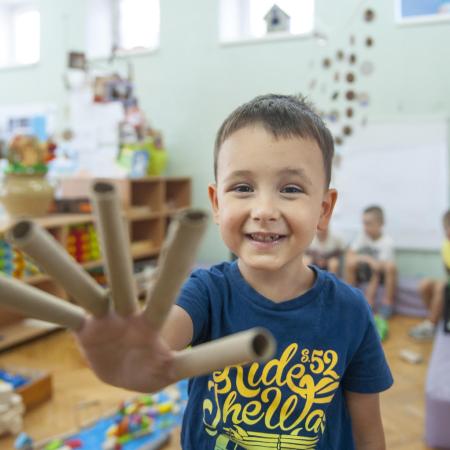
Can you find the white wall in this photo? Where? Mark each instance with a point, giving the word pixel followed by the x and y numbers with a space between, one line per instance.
pixel 191 83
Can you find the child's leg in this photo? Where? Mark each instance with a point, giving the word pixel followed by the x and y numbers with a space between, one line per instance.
pixel 426 290
pixel 390 282
pixel 350 267
pixel 437 302
pixel 333 265
pixel 372 287
pixel 432 294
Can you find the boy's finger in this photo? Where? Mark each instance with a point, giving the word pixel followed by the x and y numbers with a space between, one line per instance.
pixel 175 260
pixel 53 259
pixel 39 304
pixel 115 247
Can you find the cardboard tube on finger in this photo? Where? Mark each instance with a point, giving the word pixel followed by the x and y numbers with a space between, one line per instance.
pixel 115 247
pixel 39 304
pixel 175 261
pixel 256 344
pixel 51 257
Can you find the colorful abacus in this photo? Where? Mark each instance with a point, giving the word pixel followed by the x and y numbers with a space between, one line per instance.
pixel 82 243
pixel 14 263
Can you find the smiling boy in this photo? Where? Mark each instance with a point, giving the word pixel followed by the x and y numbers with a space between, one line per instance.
pixel 273 167
pixel 271 194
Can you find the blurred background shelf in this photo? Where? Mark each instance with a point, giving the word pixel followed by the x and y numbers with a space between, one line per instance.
pixel 148 204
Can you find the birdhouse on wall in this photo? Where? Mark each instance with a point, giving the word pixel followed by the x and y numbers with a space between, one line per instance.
pixel 277 20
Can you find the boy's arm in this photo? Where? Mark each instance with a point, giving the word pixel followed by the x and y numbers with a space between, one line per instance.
pixel 178 329
pixel 366 420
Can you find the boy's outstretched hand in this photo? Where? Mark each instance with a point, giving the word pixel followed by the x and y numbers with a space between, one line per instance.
pixel 126 352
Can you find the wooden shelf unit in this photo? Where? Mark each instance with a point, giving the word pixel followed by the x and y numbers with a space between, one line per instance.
pixel 148 203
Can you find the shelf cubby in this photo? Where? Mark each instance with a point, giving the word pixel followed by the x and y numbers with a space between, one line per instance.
pixel 178 194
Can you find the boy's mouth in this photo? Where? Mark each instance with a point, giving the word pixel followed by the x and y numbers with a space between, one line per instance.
pixel 265 237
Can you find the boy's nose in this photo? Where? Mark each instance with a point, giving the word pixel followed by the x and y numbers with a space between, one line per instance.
pixel 265 210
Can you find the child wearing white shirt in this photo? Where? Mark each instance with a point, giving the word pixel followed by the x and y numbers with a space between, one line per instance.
pixel 371 258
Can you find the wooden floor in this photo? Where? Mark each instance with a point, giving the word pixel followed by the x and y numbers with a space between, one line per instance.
pixel 402 405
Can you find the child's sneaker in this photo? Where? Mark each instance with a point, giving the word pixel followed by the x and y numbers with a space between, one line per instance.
pixel 423 331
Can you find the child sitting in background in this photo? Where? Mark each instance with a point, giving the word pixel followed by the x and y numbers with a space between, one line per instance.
pixel 371 258
pixel 432 292
pixel 325 251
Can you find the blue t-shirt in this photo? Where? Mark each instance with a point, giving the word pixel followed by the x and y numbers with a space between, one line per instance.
pixel 327 343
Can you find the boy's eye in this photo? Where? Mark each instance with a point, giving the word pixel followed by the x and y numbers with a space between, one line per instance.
pixel 242 188
pixel 291 189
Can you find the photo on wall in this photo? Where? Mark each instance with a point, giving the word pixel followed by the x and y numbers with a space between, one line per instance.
pixel 410 12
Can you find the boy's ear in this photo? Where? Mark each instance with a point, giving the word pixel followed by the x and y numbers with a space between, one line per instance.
pixel 328 202
pixel 212 194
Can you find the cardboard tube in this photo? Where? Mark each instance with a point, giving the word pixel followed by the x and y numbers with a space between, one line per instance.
pixel 39 304
pixel 256 344
pixel 175 261
pixel 52 258
pixel 115 247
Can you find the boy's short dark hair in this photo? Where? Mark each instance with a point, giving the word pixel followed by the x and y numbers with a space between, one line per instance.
pixel 375 210
pixel 446 219
pixel 283 116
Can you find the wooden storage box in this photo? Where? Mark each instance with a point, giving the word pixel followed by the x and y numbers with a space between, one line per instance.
pixel 37 390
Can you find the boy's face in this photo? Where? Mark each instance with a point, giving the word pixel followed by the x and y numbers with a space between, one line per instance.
pixel 372 225
pixel 270 198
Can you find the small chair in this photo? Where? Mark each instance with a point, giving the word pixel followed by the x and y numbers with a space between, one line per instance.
pixel 437 409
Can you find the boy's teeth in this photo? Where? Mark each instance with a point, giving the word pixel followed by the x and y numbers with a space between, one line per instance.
pixel 265 237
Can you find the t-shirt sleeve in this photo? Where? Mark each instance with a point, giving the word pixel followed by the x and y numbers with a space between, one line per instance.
pixel 368 371
pixel 194 299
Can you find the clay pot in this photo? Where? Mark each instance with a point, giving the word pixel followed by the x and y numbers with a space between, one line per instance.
pixel 26 194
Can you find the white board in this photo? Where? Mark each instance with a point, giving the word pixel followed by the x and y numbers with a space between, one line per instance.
pixel 403 167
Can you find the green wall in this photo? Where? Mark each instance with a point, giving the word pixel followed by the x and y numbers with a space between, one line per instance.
pixel 192 82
